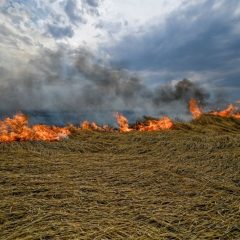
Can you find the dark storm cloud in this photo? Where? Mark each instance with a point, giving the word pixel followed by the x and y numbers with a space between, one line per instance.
pixel 201 38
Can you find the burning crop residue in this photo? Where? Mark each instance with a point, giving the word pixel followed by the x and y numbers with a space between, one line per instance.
pixel 195 109
pixel 86 125
pixel 164 123
pixel 18 128
pixel 123 123
pixel 230 112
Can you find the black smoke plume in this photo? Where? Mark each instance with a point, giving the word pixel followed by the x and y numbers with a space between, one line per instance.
pixel 182 91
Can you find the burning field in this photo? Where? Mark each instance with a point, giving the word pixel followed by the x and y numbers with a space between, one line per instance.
pixel 119 120
pixel 154 179
pixel 18 129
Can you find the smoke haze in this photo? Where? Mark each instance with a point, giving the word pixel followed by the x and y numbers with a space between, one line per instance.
pixel 75 81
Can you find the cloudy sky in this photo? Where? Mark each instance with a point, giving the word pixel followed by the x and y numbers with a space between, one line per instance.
pixel 73 53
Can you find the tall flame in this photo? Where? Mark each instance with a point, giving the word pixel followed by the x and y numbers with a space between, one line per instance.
pixel 195 109
pixel 123 123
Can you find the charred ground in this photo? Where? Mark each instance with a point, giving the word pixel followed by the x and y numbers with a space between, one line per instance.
pixel 178 184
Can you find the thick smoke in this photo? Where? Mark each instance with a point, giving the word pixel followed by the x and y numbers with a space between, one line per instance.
pixel 67 80
pixel 111 83
pixel 111 87
pixel 182 91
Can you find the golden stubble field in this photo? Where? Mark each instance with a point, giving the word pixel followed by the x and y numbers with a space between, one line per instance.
pixel 178 184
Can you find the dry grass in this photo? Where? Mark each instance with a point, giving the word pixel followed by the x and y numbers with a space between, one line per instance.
pixel 181 184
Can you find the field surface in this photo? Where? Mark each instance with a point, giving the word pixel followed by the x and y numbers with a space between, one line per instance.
pixel 179 184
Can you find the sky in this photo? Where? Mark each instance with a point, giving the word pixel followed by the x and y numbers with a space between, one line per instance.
pixel 68 54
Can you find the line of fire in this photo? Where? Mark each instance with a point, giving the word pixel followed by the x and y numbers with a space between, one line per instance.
pixel 19 129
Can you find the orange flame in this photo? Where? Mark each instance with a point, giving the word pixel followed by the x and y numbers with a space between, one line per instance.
pixel 86 125
pixel 195 109
pixel 17 129
pixel 228 112
pixel 164 123
pixel 123 123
